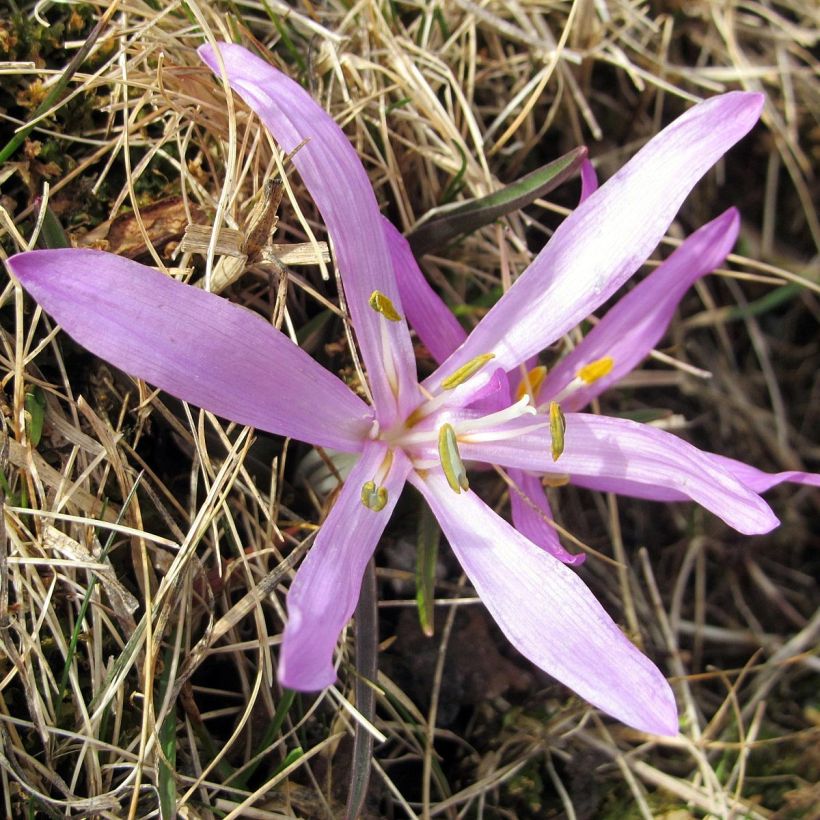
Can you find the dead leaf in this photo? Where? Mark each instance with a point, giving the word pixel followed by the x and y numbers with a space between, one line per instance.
pixel 164 222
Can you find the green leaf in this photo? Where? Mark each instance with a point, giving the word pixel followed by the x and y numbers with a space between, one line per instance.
pixel 428 539
pixel 481 304
pixel 467 217
pixel 52 234
pixel 166 780
pixel 292 756
pixel 35 403
pixel 367 656
pixel 241 779
pixel 309 334
pixel 285 38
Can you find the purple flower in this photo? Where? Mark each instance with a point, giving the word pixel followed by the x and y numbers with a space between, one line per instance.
pixel 613 348
pixel 207 351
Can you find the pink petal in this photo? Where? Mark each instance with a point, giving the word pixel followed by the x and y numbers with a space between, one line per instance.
pixel 548 613
pixel 632 459
pixel 427 314
pixel 326 588
pixel 589 180
pixel 339 185
pixel 197 346
pixel 532 523
pixel 608 237
pixel 760 481
pixel 750 477
pixel 633 327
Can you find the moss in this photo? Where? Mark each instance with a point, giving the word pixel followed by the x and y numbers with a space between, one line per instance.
pixel 527 789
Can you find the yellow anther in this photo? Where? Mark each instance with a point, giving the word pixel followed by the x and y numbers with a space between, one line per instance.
pixel 373 497
pixel 593 371
pixel 555 480
pixel 381 304
pixel 531 383
pixel 451 460
pixel 558 426
pixel 465 371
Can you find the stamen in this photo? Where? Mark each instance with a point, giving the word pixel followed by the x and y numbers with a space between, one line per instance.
pixel 481 436
pixel 384 467
pixel 451 460
pixel 373 497
pixel 435 402
pixel 381 304
pixel 556 480
pixel 521 408
pixel 531 383
pixel 425 409
pixel 593 371
pixel 558 426
pixel 465 371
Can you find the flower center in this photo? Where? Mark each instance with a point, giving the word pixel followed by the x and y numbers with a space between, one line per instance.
pixel 429 436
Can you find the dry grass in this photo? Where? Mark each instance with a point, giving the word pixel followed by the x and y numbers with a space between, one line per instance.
pixel 147 546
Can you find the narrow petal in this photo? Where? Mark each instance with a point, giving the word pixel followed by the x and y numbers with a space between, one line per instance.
pixel 633 327
pixel 760 481
pixel 532 523
pixel 607 237
pixel 427 314
pixel 326 588
pixel 197 346
pixel 632 459
pixel 334 175
pixel 548 613
pixel 589 180
pixel 750 477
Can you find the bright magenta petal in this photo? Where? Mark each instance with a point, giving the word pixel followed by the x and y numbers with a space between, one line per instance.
pixel 607 237
pixel 427 314
pixel 633 327
pixel 625 457
pixel 197 346
pixel 339 185
pixel 531 515
pixel 548 613
pixel 326 588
